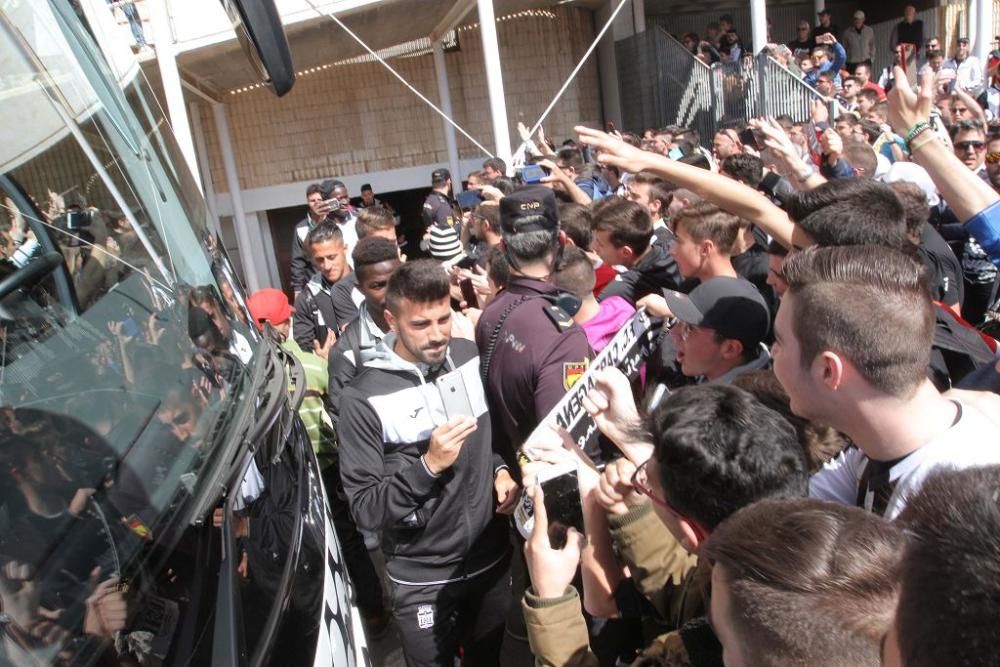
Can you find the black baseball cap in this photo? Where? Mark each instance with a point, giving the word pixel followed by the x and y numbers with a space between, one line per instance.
pixel 440 175
pixel 731 306
pixel 531 208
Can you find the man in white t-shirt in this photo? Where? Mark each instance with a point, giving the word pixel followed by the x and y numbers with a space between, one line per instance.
pixel 852 344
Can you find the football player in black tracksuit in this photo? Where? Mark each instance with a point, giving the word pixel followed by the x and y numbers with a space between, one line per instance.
pixel 432 485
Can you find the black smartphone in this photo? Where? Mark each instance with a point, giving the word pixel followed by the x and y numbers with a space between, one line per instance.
pixel 748 138
pixel 469 293
pixel 562 502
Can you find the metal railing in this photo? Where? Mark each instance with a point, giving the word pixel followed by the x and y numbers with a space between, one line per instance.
pixel 662 83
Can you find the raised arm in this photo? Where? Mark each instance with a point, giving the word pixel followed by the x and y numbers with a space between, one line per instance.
pixel 966 193
pixel 732 196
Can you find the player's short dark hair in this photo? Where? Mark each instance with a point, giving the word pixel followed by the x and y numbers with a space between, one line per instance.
pixel 950 598
pixel 373 250
pixel 577 221
pixel 312 190
pixel 850 211
pixel 718 449
pixel 324 232
pixel 916 210
pixel 659 188
pixel 575 273
pixel 707 222
pixel 627 223
pixel 495 164
pixel 856 300
pixel 747 169
pixel 570 157
pixel 374 219
pixel 808 579
pixel 497 267
pixel 417 281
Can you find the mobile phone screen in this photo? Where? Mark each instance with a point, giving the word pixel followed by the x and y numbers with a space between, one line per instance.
pixel 469 293
pixel 562 506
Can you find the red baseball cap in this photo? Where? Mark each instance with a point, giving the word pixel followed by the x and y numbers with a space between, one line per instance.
pixel 269 305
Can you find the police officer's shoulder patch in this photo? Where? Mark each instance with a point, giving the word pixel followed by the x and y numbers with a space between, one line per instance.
pixel 573 371
pixel 559 317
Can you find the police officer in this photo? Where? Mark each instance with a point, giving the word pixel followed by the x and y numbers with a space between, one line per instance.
pixel 530 348
pixel 442 218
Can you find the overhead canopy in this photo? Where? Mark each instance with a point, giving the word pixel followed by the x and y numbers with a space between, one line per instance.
pixel 319 41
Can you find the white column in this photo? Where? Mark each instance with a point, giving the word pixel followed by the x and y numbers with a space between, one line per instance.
pixel 494 80
pixel 243 238
pixel 607 67
pixel 444 99
pixel 639 15
pixel 818 6
pixel 204 167
pixel 984 30
pixel 758 24
pixel 166 59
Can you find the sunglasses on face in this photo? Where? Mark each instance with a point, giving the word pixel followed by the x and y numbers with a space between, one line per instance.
pixel 966 145
pixel 993 158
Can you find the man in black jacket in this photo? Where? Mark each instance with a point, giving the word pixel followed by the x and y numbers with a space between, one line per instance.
pixel 431 484
pixel 319 307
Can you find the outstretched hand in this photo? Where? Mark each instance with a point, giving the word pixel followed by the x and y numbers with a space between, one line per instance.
pixel 614 152
pixel 906 106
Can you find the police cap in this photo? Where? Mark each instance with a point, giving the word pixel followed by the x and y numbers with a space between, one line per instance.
pixel 531 208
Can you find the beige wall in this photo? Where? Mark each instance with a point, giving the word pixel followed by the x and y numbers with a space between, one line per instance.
pixel 357 119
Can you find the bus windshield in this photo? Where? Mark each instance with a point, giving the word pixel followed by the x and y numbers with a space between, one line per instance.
pixel 126 355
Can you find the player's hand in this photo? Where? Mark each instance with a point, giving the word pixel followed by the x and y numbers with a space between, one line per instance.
pixel 446 443
pixel 507 491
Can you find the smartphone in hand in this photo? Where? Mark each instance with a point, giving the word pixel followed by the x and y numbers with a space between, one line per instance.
pixel 454 395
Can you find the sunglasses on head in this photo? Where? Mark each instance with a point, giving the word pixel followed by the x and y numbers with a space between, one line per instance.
pixel 993 158
pixel 966 145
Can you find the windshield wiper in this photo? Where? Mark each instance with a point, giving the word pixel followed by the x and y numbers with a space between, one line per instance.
pixel 245 429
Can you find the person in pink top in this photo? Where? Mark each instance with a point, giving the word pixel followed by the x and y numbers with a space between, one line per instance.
pixel 600 320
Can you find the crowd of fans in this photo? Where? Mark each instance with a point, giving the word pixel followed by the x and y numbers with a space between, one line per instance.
pixel 803 470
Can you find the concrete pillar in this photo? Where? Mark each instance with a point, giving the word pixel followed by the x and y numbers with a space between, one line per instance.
pixel 252 267
pixel 758 24
pixel 205 182
pixel 984 29
pixel 639 15
pixel 444 99
pixel 818 6
pixel 494 80
pixel 166 60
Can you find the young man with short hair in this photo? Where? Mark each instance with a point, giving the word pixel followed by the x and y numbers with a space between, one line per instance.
pixel 493 168
pixel 721 328
pixel 622 234
pixel 704 236
pixel 576 221
pixel 301 267
pixel 376 221
pixel 375 260
pixel 649 190
pixel 664 500
pixel 950 595
pixel 431 485
pixel 852 346
pixel 317 323
pixel 803 582
pixel 601 320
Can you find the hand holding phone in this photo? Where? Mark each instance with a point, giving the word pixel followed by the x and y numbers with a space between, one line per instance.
pixel 446 443
pixel 469 293
pixel 551 567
